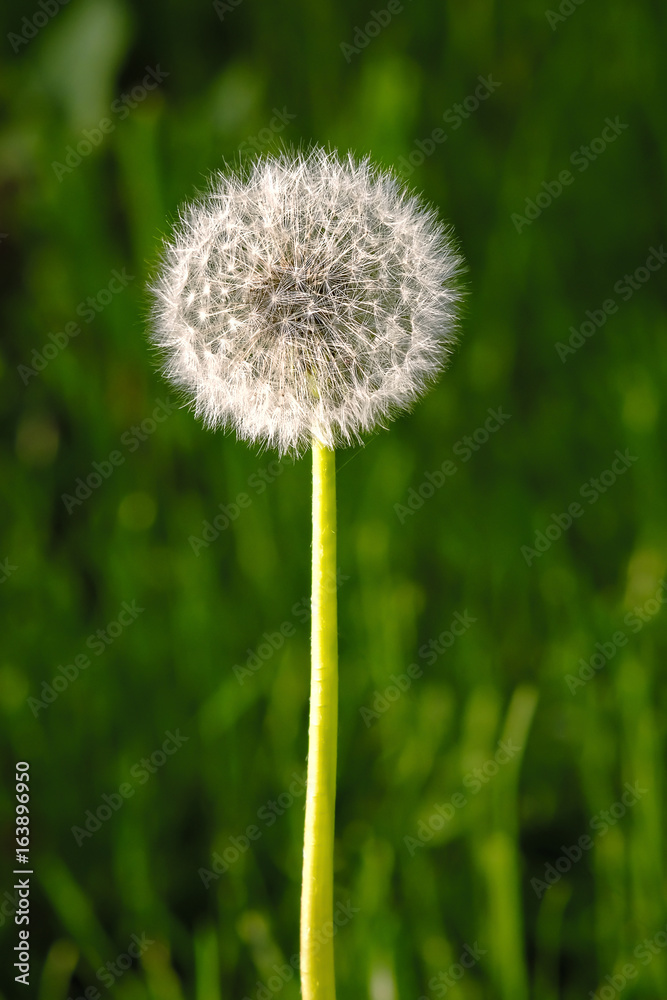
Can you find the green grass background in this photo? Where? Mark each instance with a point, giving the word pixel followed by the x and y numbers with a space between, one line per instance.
pixel 173 668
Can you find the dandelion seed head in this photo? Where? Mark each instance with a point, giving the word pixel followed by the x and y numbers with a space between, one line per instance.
pixel 309 296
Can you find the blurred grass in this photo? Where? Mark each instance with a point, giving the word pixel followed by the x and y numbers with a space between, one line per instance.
pixel 173 667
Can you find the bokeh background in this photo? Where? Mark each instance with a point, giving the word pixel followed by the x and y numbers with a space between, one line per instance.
pixel 420 886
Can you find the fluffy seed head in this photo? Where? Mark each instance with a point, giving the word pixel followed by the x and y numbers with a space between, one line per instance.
pixel 306 297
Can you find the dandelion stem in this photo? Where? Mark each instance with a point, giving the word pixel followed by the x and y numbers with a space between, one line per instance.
pixel 317 963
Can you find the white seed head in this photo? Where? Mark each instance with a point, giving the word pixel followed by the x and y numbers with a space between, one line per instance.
pixel 306 297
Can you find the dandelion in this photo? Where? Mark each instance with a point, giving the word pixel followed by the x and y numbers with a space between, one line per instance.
pixel 312 298
pixel 304 302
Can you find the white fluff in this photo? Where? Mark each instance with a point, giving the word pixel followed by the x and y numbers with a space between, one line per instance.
pixel 309 296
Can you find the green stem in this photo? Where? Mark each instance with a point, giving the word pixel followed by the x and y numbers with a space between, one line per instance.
pixel 317 961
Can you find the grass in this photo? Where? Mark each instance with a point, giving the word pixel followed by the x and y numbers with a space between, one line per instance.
pixel 410 915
